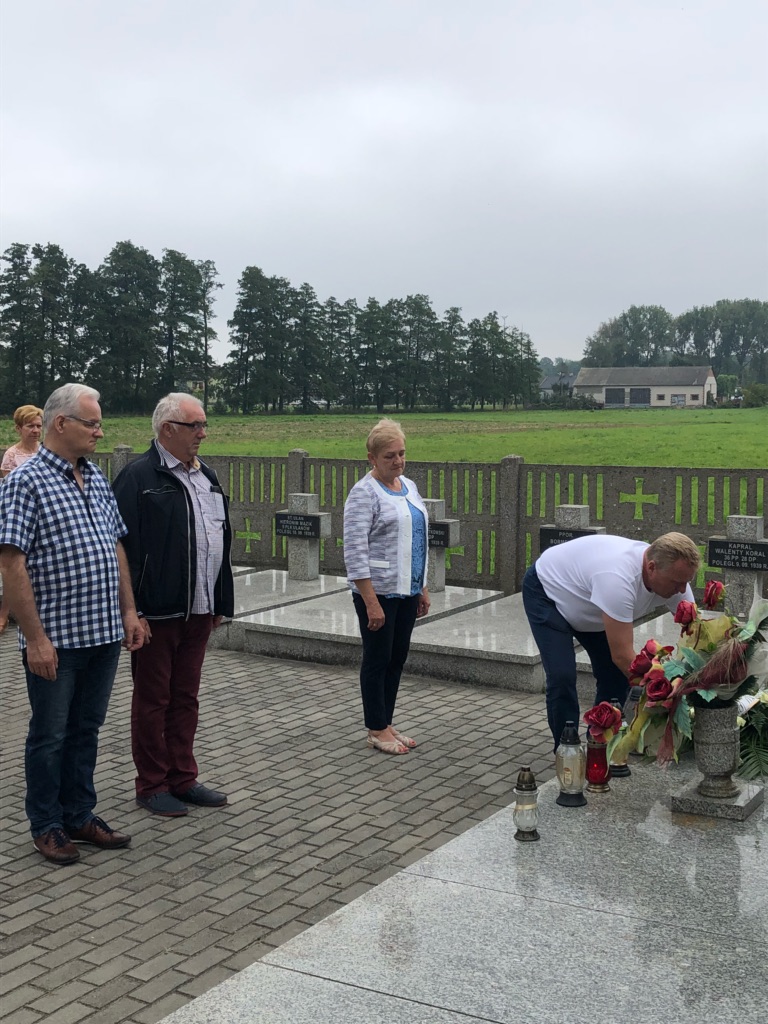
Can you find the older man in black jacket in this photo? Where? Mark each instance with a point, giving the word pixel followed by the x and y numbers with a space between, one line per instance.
pixel 178 548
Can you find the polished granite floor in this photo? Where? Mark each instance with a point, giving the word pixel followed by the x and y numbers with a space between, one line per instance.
pixel 623 911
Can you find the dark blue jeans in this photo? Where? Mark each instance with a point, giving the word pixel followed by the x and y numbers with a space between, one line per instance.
pixel 554 637
pixel 63 738
pixel 384 654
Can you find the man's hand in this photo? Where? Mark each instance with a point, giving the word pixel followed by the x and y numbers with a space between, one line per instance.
pixel 135 636
pixel 423 605
pixel 217 621
pixel 147 631
pixel 620 636
pixel 42 659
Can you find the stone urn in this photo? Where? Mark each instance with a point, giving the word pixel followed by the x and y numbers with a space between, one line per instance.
pixel 716 749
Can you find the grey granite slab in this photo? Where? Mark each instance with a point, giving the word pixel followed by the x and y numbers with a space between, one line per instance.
pixel 622 912
pixel 712 874
pixel 262 994
pixel 270 588
pixel 334 615
pixel 498 631
pixel 507 958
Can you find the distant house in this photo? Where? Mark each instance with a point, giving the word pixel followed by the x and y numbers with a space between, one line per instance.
pixel 655 387
pixel 556 385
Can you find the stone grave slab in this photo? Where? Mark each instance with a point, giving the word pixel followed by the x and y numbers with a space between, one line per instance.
pixel 325 629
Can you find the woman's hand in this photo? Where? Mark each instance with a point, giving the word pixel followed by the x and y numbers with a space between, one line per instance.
pixel 423 606
pixel 375 615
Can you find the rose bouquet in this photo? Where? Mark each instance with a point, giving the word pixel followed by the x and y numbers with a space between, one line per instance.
pixel 717 659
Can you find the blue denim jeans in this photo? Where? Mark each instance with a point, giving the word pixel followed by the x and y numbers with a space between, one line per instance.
pixel 554 637
pixel 384 653
pixel 63 738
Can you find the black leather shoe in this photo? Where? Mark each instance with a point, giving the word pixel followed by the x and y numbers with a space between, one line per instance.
pixel 164 804
pixel 201 796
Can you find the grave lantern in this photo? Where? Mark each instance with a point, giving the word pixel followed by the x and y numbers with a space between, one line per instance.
pixel 570 765
pixel 526 812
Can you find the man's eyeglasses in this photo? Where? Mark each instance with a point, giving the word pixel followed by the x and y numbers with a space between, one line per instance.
pixel 195 425
pixel 91 424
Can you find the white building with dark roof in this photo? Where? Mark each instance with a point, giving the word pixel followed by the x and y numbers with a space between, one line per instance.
pixel 642 387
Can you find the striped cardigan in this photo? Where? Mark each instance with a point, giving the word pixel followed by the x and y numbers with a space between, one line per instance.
pixel 378 532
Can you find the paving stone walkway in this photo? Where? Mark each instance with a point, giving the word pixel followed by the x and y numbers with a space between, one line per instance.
pixel 315 820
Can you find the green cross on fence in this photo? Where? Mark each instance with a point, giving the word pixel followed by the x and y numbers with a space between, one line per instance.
pixel 247 535
pixel 638 498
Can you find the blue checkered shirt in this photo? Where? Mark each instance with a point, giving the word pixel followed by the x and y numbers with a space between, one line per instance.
pixel 69 537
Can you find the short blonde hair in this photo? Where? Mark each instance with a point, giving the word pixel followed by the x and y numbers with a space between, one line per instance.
pixel 673 547
pixel 25 414
pixel 383 433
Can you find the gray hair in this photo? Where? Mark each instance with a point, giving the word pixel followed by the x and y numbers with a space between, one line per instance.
pixel 65 401
pixel 169 408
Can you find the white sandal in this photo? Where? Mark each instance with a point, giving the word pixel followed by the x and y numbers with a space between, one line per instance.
pixel 386 746
pixel 405 740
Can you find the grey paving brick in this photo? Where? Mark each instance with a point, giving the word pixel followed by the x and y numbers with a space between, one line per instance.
pixel 197 898
pixel 23 995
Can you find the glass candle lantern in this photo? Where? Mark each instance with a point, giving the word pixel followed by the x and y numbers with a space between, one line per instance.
pixel 598 771
pixel 619 767
pixel 570 765
pixel 526 812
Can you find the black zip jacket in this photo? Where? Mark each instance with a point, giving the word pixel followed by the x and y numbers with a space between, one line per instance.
pixel 161 544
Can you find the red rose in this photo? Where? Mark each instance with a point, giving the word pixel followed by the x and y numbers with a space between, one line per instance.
pixel 655 675
pixel 713 594
pixel 686 613
pixel 640 665
pixel 658 689
pixel 654 649
pixel 602 718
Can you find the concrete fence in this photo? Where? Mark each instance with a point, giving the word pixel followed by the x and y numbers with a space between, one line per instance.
pixel 500 505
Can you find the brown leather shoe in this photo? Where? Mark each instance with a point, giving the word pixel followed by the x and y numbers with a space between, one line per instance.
pixel 98 833
pixel 56 847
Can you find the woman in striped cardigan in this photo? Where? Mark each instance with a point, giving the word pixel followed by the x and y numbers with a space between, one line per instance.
pixel 385 552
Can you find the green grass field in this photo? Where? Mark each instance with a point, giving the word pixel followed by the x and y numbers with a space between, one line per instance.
pixel 695 438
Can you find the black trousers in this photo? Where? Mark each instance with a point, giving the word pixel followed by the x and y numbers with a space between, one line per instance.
pixel 384 654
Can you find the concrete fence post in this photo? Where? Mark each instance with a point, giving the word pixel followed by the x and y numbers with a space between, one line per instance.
pixel 510 550
pixel 296 484
pixel 119 458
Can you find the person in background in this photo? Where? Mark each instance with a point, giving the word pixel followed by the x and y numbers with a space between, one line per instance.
pixel 28 421
pixel 385 552
pixel 178 545
pixel 69 589
pixel 591 590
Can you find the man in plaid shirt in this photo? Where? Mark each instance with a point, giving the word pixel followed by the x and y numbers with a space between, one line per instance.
pixel 67 579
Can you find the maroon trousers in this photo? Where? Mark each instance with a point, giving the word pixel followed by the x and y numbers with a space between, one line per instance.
pixel 164 710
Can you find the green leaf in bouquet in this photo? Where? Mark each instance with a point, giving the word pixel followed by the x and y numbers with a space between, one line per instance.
pixel 674 669
pixel 682 719
pixel 707 695
pixel 693 659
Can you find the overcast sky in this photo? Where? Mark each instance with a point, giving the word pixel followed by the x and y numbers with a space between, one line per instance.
pixel 554 160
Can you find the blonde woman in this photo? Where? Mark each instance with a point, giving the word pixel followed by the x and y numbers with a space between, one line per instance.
pixel 28 420
pixel 385 551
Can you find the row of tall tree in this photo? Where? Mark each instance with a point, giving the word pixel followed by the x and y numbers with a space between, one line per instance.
pixel 290 346
pixel 132 328
pixel 731 336
pixel 138 326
